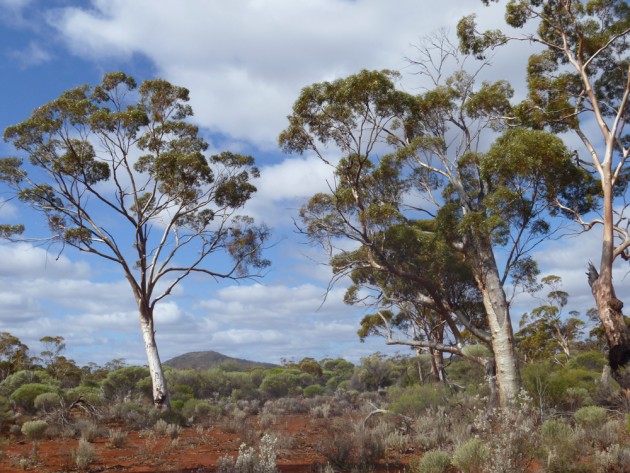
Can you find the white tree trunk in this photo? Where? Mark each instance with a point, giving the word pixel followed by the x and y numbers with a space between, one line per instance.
pixel 160 391
pixel 498 315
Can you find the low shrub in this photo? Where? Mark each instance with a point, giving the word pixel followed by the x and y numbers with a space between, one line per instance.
pixel 412 400
pixel 84 455
pixel 435 461
pixel 314 390
pixel 117 438
pixel 46 402
pixel 34 429
pixel 250 461
pixel 590 417
pixel 471 456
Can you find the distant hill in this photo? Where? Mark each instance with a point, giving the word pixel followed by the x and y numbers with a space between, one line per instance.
pixel 204 360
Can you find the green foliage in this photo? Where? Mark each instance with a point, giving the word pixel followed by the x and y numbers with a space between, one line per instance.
pixel 48 401
pixel 6 413
pixel 589 360
pixel 435 461
pixel 548 384
pixel 314 390
pixel 412 400
pixel 276 385
pixel 471 456
pixel 14 381
pixel 25 395
pixel 590 417
pixel 34 429
pixel 124 383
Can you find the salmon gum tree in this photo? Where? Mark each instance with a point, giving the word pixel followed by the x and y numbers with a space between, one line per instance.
pixel 118 172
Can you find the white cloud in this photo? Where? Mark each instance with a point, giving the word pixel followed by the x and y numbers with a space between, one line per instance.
pixel 33 55
pixel 245 62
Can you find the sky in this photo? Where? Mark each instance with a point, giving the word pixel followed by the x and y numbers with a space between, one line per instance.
pixel 244 63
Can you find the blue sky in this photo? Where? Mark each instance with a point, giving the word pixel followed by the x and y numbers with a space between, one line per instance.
pixel 244 63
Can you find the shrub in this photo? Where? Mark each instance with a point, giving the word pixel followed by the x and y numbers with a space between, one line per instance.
pixel 471 456
pixel 414 399
pixel 117 438
pixel 88 394
pixel 435 461
pixel 6 413
pixel 590 417
pixel 314 390
pixel 85 455
pixel 248 461
pixel 14 381
pixel 34 429
pixel 46 402
pixel 89 429
pixel 125 384
pixel 25 395
pixel 173 431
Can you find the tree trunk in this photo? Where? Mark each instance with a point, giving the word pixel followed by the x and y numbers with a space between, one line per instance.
pixel 160 391
pixel 498 316
pixel 617 333
pixel 437 365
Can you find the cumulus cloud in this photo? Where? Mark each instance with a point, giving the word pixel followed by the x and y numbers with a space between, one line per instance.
pixel 245 62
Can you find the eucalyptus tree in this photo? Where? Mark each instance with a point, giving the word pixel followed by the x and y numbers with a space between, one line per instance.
pixel 117 171
pixel 546 332
pixel 580 82
pixel 399 148
pixel 443 314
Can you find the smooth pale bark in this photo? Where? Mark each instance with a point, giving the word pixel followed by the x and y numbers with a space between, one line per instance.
pixel 498 315
pixel 160 391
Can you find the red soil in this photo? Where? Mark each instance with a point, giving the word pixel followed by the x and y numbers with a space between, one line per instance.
pixel 191 453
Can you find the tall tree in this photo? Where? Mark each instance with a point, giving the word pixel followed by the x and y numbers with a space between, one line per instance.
pixel 118 172
pixel 394 143
pixel 14 355
pixel 580 82
pixel 547 333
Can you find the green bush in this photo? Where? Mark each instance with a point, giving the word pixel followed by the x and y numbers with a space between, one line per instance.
pixel 589 360
pixel 435 461
pixel 126 384
pixel 34 429
pixel 591 417
pixel 25 395
pixel 471 456
pixel 548 384
pixel 88 394
pixel 6 413
pixel 555 431
pixel 314 390
pixel 14 381
pixel 46 402
pixel 412 400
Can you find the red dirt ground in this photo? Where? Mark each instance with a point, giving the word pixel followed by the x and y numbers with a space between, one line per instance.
pixel 192 453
